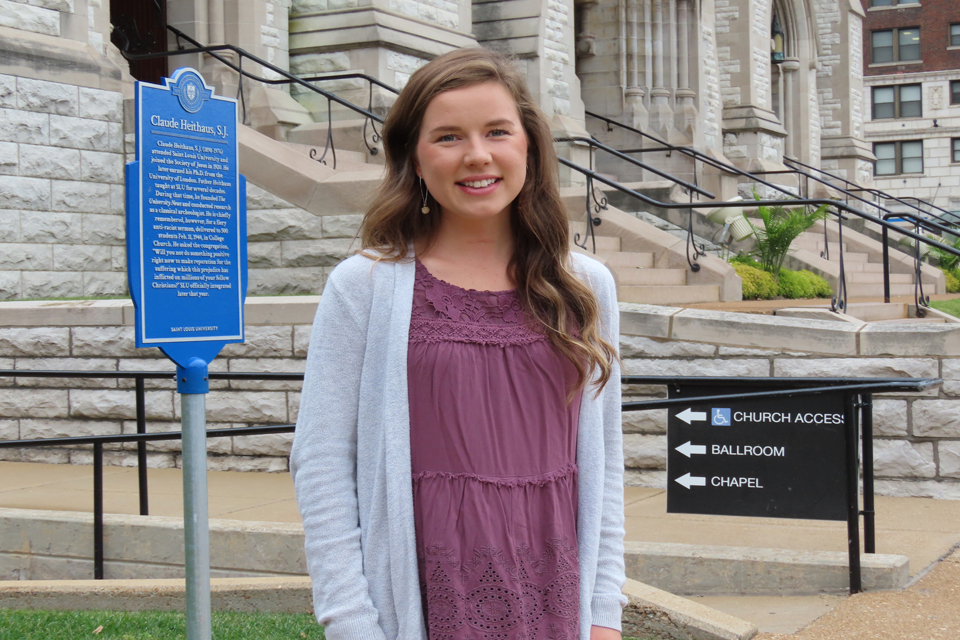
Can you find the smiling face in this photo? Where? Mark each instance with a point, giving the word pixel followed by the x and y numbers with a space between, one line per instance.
pixel 472 152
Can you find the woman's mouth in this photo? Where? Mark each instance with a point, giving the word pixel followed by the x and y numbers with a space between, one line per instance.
pixel 479 184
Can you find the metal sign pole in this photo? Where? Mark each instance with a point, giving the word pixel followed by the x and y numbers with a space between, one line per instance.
pixel 853 494
pixel 192 384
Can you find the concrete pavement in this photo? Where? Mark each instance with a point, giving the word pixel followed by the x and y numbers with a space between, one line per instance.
pixel 922 529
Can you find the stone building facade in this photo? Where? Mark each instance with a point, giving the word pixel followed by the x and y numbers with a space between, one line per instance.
pixel 912 80
pixel 700 73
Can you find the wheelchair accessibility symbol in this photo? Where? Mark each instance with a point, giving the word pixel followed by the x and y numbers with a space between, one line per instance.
pixel 720 417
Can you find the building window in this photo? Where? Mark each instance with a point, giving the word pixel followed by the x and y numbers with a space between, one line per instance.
pixel 956 150
pixel 896 45
pixel 955 92
pixel 955 35
pixel 894 158
pixel 901 101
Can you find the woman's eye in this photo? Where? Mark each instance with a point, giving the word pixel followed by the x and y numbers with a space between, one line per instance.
pixel 499 132
pixel 447 138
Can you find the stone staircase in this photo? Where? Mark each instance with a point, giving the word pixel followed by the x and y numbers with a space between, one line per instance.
pixel 863 264
pixel 639 281
pixel 649 263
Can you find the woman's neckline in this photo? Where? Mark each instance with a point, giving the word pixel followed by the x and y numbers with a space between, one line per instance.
pixel 459 288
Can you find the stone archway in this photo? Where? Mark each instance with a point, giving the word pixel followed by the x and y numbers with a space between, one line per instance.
pixel 793 82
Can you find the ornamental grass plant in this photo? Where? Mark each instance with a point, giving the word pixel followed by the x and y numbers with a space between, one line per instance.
pixel 781 226
pixel 948 262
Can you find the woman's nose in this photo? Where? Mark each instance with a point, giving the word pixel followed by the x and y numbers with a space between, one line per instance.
pixel 476 153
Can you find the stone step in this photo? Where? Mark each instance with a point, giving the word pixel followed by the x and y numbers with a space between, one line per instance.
pixel 929 320
pixel 669 295
pixel 604 243
pixel 864 267
pixel 862 290
pixel 686 569
pixel 814 243
pixel 651 277
pixel 627 259
pixel 347 159
pixel 860 277
pixel 850 256
pixel 877 311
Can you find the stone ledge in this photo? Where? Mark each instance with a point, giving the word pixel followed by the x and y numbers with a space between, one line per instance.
pixel 282 310
pixel 726 329
pixel 651 612
pixel 41 545
pixel 253 595
pixel 714 570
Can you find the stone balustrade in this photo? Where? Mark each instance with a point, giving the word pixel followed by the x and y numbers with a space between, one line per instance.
pixel 917 436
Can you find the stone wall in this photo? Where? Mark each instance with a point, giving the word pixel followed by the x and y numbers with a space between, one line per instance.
pixel 99 337
pixel 917 435
pixel 291 251
pixel 61 190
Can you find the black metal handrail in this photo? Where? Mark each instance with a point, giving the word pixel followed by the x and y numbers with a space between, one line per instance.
pixel 141 437
pixel 839 301
pixel 286 78
pixel 600 203
pixel 862 388
pixel 921 301
pixel 871 190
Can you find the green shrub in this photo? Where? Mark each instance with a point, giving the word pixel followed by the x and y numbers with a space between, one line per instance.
pixel 794 284
pixel 821 288
pixel 745 258
pixel 947 261
pixel 757 284
pixel 953 280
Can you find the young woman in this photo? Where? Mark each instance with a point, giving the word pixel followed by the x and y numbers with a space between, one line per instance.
pixel 458 457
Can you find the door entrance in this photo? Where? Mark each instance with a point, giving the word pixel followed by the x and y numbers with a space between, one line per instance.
pixel 139 27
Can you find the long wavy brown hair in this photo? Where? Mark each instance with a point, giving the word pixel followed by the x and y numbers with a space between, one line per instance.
pixel 547 289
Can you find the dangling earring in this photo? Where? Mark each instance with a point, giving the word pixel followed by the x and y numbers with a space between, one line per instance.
pixel 423 191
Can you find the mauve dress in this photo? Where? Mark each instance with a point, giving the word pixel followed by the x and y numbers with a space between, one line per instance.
pixel 493 451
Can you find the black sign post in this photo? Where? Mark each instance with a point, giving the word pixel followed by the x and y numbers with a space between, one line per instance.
pixel 773 448
pixel 768 458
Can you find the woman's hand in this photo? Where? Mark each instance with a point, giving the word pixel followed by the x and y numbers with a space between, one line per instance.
pixel 604 633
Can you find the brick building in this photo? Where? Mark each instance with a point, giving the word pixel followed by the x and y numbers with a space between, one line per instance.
pixel 912 76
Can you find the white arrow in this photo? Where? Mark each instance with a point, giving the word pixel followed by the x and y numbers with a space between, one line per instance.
pixel 692 481
pixel 689 415
pixel 689 449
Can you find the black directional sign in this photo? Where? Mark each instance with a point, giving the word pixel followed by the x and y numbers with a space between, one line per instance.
pixel 779 458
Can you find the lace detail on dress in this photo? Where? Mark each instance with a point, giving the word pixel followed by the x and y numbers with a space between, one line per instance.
pixel 520 481
pixel 492 597
pixel 443 312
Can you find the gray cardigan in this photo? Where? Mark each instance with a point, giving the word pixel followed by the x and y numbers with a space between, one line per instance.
pixel 351 461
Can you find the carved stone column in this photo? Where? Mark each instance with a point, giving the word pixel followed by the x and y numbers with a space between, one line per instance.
pixel 788 98
pixel 752 132
pixel 686 116
pixel 661 115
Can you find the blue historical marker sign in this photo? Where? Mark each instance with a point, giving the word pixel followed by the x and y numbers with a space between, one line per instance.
pixel 186 220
